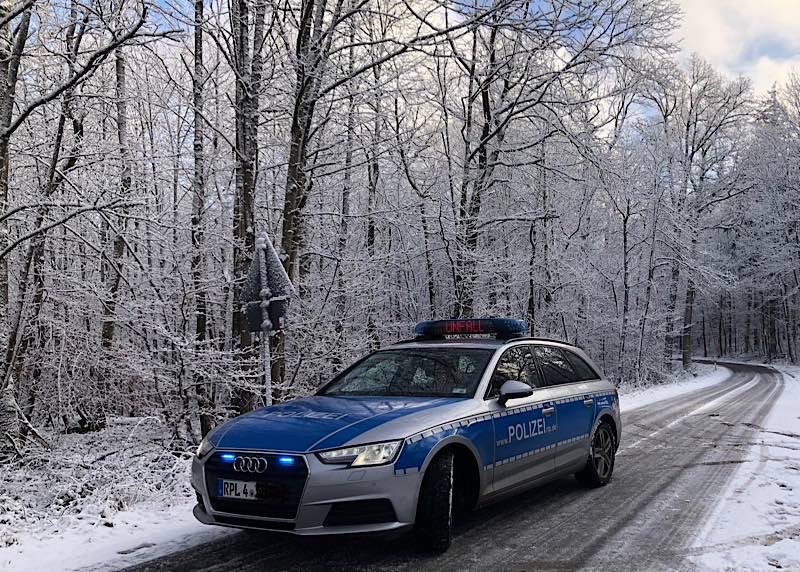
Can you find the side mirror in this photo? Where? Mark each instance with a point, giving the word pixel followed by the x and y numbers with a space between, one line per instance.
pixel 513 389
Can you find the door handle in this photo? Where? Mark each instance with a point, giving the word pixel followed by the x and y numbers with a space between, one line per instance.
pixel 548 411
pixel 588 402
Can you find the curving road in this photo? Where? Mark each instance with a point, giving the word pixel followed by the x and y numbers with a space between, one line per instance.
pixel 676 458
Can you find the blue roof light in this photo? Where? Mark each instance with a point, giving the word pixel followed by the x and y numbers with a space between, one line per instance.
pixel 228 457
pixel 503 328
pixel 286 461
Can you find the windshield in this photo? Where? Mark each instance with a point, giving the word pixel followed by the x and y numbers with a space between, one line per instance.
pixel 417 372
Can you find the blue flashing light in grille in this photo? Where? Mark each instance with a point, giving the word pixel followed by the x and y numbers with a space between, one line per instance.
pixel 286 461
pixel 228 457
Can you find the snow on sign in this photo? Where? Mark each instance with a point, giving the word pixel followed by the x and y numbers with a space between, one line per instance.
pixel 268 287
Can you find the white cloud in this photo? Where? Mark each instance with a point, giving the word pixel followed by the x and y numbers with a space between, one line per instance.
pixel 756 38
pixel 766 72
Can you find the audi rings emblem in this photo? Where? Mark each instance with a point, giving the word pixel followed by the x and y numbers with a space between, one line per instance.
pixel 249 464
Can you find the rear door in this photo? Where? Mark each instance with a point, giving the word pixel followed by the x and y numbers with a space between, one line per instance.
pixel 525 428
pixel 571 395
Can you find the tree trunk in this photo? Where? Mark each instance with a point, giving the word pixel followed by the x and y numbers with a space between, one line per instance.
pixel 672 303
pixel 748 347
pixel 341 296
pixel 9 421
pixel 373 180
pixel 205 405
pixel 688 311
pixel 11 49
pixel 428 263
pixel 249 71
pixel 626 291
pixel 310 54
pixel 109 308
pixel 705 339
pixel 648 291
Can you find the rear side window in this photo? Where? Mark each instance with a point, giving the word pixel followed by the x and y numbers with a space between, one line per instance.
pixel 555 367
pixel 582 369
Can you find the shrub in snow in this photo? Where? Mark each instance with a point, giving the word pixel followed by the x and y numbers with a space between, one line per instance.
pixel 86 478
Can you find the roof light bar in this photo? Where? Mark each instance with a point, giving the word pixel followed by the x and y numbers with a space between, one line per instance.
pixel 502 328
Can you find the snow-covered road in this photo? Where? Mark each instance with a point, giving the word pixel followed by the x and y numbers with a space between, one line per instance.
pixel 708 476
pixel 678 456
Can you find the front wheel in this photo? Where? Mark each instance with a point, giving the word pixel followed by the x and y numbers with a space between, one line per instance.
pixel 435 506
pixel 600 465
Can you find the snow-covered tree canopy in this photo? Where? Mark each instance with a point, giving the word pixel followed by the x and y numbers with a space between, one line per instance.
pixel 551 161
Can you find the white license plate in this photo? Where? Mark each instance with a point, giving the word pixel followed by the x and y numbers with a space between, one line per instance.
pixel 244 490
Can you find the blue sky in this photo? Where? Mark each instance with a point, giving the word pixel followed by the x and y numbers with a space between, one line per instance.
pixel 757 38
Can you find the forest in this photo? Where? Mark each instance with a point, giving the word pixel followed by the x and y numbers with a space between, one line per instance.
pixel 558 161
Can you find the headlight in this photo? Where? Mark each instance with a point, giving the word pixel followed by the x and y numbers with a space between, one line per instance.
pixel 204 448
pixel 362 455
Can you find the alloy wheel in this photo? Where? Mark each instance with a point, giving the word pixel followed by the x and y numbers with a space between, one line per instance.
pixel 603 451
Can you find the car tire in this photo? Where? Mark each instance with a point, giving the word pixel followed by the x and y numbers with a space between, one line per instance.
pixel 600 465
pixel 434 519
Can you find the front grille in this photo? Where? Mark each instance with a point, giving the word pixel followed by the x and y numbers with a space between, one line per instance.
pixel 349 513
pixel 281 486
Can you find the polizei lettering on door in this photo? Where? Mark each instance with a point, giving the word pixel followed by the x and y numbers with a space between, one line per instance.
pixel 526 429
pixel 521 431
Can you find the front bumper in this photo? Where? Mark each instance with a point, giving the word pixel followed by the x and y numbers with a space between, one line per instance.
pixel 335 499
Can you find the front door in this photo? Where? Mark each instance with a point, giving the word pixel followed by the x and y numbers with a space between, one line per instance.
pixel 524 429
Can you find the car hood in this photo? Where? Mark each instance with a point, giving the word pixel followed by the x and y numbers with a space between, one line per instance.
pixel 324 422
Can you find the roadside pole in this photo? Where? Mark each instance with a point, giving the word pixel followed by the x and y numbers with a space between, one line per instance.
pixel 266 326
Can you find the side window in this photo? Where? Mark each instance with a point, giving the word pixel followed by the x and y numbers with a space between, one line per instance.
pixel 583 370
pixel 515 363
pixel 555 367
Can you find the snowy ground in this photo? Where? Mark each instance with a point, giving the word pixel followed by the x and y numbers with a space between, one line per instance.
pixel 139 534
pixel 121 494
pixel 703 375
pixel 756 525
pixel 91 510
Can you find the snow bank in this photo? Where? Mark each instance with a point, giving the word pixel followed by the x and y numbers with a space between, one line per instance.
pixel 123 492
pixel 756 525
pixel 145 532
pixel 702 375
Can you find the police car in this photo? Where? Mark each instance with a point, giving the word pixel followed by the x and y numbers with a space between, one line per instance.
pixel 413 434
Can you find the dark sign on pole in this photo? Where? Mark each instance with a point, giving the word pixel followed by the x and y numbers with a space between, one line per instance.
pixel 267 288
pixel 265 296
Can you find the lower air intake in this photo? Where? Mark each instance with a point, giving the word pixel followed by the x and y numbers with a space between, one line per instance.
pixel 350 513
pixel 250 523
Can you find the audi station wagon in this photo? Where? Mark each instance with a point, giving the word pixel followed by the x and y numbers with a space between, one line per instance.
pixel 465 413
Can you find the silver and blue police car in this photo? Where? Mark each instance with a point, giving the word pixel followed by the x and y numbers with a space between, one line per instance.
pixel 413 434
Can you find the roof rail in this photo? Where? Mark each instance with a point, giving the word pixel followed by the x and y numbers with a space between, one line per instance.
pixel 555 341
